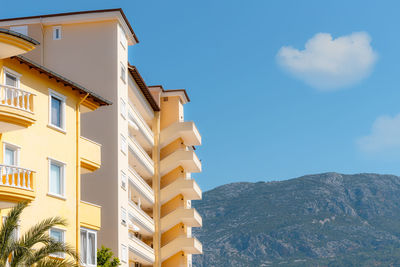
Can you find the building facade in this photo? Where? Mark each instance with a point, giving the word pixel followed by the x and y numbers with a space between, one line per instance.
pixel 42 151
pixel 144 186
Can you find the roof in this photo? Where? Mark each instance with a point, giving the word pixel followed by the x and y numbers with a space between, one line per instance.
pixel 143 87
pixel 79 13
pixel 174 90
pixel 52 75
pixel 22 36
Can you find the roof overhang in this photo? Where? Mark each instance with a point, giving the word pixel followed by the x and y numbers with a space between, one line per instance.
pixel 13 43
pixel 184 97
pixel 77 17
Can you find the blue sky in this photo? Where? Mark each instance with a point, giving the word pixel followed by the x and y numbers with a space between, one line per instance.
pixel 259 120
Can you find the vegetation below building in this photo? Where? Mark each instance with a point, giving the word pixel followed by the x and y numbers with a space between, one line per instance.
pixel 326 219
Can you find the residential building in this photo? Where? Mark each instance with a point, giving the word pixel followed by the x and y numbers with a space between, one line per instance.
pixel 43 152
pixel 144 186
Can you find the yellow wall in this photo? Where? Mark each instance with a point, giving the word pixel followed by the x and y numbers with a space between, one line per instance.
pixel 38 142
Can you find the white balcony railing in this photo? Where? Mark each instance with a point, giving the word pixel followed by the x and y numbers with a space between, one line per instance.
pixel 14 176
pixel 138 119
pixel 16 98
pixel 139 216
pixel 141 154
pixel 141 249
pixel 139 183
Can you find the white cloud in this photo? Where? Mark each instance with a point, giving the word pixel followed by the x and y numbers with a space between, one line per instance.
pixel 329 64
pixel 384 137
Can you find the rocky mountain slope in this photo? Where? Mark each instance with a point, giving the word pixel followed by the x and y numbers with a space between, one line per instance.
pixel 326 219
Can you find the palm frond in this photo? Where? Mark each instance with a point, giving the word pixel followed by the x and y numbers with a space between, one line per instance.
pixel 49 262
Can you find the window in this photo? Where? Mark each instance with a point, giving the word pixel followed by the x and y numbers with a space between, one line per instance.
pixel 123 180
pixel 124 145
pixel 11 154
pixel 123 72
pixel 123 216
pixel 122 37
pixel 20 29
pixel 88 247
pixel 124 253
pixel 57 235
pixel 11 78
pixel 57 33
pixel 56 179
pixel 57 110
pixel 123 108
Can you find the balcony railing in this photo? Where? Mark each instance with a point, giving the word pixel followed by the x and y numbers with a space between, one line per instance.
pixel 16 98
pixel 138 182
pixel 18 177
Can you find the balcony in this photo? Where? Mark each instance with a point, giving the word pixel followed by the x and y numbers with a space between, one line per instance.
pixel 186 130
pixel 141 219
pixel 90 152
pixel 185 158
pixel 90 215
pixel 16 108
pixel 13 43
pixel 139 128
pixel 16 184
pixel 139 159
pixel 186 187
pixel 189 245
pixel 189 217
pixel 139 251
pixel 141 186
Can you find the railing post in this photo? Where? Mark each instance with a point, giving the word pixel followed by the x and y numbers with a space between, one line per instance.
pixel 29 179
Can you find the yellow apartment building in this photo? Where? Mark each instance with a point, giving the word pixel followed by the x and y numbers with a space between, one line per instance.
pixel 42 151
pixel 144 186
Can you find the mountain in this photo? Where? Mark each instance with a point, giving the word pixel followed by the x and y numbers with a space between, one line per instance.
pixel 327 219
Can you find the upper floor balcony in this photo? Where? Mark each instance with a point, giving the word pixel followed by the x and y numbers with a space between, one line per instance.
pixel 13 43
pixel 139 251
pixel 181 186
pixel 140 187
pixel 16 108
pixel 90 215
pixel 189 217
pixel 140 129
pixel 17 184
pixel 186 130
pixel 139 159
pixel 185 158
pixel 190 245
pixel 141 219
pixel 90 154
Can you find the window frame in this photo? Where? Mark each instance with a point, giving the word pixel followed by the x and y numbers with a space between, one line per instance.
pixel 17 151
pixel 17 28
pixel 123 72
pixel 124 180
pixel 124 253
pixel 63 175
pixel 124 145
pixel 13 73
pixel 124 221
pixel 63 100
pixel 89 231
pixel 55 28
pixel 123 109
pixel 59 255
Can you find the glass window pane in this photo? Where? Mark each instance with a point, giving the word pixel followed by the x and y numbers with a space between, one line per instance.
pixel 56 235
pixel 55 179
pixel 56 111
pixel 9 157
pixel 11 80
pixel 83 247
pixel 92 249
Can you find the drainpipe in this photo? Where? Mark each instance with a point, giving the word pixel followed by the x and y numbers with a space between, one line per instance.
pixel 78 170
pixel 156 189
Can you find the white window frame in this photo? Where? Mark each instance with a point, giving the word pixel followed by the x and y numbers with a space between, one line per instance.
pixel 124 253
pixel 22 29
pixel 123 72
pixel 124 145
pixel 59 255
pixel 89 231
pixel 124 180
pixel 124 216
pixel 122 36
pixel 55 28
pixel 124 110
pixel 63 100
pixel 63 175
pixel 11 73
pixel 14 147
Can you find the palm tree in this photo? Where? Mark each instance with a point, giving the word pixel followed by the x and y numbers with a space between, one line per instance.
pixel 35 246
